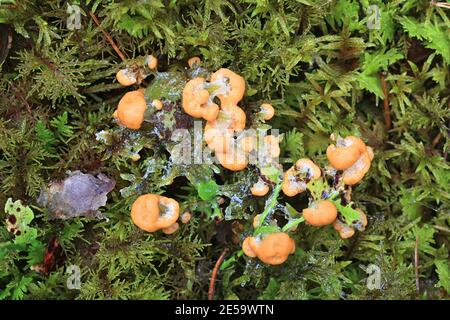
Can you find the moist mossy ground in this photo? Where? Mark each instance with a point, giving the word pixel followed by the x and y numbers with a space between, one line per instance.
pixel 324 65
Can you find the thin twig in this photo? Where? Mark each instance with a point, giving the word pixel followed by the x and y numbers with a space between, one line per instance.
pixel 416 263
pixel 212 282
pixel 107 36
pixel 8 6
pixel 443 229
pixel 448 132
pixel 441 4
pixel 437 139
pixel 387 110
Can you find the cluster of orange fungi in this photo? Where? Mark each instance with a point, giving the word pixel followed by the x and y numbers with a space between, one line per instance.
pixel 132 74
pixel 152 212
pixel 131 108
pixel 352 156
pixel 198 100
pixel 222 122
pixel 349 155
pixel 303 168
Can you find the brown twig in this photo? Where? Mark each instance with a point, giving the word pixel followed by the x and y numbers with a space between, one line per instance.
pixel 448 132
pixel 416 264
pixel 212 282
pixel 8 6
pixel 387 110
pixel 107 36
pixel 437 139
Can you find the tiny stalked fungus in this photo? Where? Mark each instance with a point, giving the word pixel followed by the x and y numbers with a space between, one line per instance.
pixel 267 111
pixel 152 62
pixel 152 212
pixel 131 109
pixel 194 62
pixel 135 157
pixel 260 188
pixel 272 249
pixel 256 221
pixel 186 217
pixel 321 213
pixel 126 77
pixel 157 104
pixel 296 178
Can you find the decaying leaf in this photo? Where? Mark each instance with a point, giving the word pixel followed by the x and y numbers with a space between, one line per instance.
pixel 78 195
pixel 53 256
pixel 18 217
